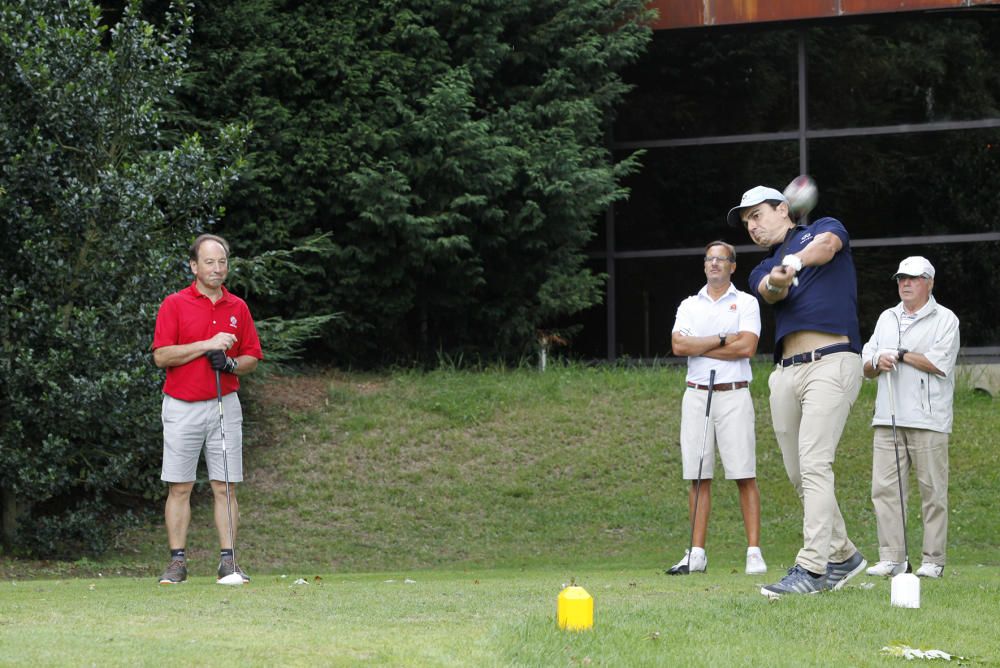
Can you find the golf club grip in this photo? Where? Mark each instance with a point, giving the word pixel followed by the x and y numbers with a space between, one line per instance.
pixel 711 387
pixel 218 385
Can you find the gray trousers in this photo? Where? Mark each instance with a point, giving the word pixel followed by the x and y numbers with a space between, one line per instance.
pixel 925 452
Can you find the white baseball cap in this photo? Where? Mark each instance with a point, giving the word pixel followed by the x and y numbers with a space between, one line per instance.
pixel 915 265
pixel 753 197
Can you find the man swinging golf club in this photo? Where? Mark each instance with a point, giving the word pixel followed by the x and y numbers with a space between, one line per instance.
pixel 204 338
pixel 808 279
pixel 717 330
pixel 914 347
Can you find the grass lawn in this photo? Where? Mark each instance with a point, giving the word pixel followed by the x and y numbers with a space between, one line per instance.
pixel 487 618
pixel 490 490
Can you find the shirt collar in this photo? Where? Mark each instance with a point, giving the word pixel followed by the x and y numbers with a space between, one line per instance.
pixel 927 309
pixel 196 294
pixel 703 293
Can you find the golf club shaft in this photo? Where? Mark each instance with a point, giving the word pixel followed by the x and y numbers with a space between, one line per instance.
pixel 899 477
pixel 225 466
pixel 701 461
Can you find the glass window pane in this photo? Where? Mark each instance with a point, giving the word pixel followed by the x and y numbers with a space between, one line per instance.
pixel 716 81
pixel 909 185
pixel 904 70
pixel 681 196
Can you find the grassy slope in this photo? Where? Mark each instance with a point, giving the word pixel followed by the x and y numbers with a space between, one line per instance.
pixel 489 491
pixel 576 466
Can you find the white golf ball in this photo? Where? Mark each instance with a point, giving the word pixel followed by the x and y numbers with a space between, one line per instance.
pixel 802 195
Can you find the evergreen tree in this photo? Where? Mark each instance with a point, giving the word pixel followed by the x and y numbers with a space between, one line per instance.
pixel 454 150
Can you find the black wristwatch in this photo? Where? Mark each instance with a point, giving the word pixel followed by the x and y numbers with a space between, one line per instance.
pixel 901 353
pixel 722 340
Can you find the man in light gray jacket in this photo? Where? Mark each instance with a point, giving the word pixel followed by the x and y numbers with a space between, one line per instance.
pixel 915 347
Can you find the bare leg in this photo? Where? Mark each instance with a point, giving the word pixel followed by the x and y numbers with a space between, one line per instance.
pixel 750 505
pixel 177 513
pixel 704 508
pixel 221 515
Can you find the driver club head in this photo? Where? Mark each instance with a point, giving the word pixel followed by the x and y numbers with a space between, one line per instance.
pixel 233 580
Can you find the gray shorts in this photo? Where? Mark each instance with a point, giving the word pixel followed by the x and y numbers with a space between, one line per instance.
pixel 188 426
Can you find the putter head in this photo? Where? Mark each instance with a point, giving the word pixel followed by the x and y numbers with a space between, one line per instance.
pixel 233 580
pixel 681 569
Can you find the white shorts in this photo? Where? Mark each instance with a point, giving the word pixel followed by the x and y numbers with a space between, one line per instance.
pixel 731 428
pixel 188 426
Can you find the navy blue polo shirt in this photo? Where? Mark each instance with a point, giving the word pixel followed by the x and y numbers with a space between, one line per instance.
pixel 826 298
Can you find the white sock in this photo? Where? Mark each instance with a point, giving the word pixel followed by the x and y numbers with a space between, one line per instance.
pixel 697 552
pixel 753 550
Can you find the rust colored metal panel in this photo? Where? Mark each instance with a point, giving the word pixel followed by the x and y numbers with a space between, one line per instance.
pixel 872 6
pixel 697 13
pixel 753 11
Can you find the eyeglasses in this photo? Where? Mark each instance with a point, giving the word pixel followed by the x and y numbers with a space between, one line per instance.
pixel 713 260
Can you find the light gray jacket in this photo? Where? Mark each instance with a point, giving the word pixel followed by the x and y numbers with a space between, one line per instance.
pixel 923 400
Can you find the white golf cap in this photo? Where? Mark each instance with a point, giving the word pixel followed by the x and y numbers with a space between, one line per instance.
pixel 915 265
pixel 753 197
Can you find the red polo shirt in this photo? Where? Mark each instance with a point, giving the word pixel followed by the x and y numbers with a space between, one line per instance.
pixel 188 316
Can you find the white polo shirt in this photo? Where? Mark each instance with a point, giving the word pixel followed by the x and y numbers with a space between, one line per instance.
pixel 698 315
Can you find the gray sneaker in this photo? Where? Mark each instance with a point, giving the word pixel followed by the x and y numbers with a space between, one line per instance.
pixel 798 581
pixel 228 567
pixel 837 574
pixel 176 573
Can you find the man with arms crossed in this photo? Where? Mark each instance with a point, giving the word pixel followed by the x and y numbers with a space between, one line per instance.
pixel 717 329
pixel 809 279
pixel 201 329
pixel 915 346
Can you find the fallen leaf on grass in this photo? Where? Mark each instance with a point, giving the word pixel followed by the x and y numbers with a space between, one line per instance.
pixel 910 653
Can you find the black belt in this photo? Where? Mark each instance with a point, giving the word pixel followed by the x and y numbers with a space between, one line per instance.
pixel 721 387
pixel 816 355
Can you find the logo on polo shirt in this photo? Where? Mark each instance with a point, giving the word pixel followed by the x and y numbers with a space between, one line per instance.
pixel 732 307
pixel 806 238
pixel 232 321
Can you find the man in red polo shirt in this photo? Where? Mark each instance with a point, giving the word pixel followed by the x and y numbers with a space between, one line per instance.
pixel 201 329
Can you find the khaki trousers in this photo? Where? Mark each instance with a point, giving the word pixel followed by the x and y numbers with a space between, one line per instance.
pixel 809 407
pixel 925 452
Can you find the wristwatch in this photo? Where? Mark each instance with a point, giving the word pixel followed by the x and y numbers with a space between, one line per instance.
pixel 773 289
pixel 900 353
pixel 722 340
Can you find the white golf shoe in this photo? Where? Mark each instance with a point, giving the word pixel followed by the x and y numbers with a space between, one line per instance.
pixel 885 568
pixel 755 562
pixel 697 564
pixel 929 570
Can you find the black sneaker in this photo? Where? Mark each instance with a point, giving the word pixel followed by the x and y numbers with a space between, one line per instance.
pixel 798 581
pixel 176 573
pixel 837 574
pixel 227 567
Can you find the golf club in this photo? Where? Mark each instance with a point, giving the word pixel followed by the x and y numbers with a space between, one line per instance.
pixel 233 578
pixel 905 588
pixel 899 477
pixel 685 569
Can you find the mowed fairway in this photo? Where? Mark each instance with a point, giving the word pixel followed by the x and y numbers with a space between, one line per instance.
pixel 486 618
pixel 434 517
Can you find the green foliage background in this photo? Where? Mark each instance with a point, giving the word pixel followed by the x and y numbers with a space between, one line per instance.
pixel 95 211
pixel 455 152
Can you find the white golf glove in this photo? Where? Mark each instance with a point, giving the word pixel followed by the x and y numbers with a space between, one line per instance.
pixel 795 262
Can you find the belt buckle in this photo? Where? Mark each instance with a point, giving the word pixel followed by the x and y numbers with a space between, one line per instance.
pixel 805 358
